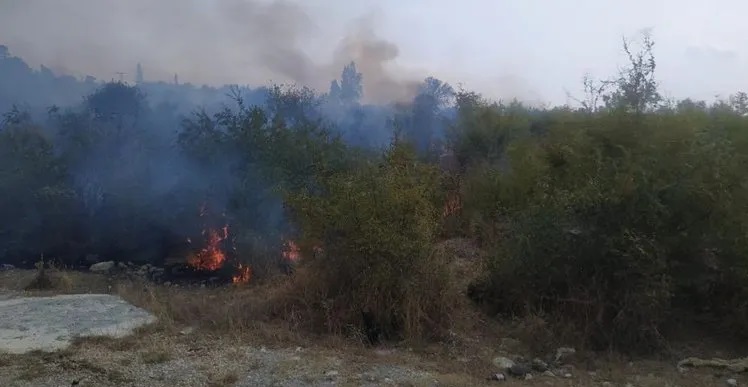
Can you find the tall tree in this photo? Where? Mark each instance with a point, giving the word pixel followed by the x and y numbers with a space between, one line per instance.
pixel 351 87
pixel 139 74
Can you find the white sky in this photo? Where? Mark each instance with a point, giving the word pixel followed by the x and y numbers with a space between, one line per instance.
pixel 530 48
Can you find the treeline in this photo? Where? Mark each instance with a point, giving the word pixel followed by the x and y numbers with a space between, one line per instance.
pixel 613 221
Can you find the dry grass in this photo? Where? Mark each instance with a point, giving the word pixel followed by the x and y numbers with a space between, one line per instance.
pixel 213 324
pixel 224 380
pixel 52 281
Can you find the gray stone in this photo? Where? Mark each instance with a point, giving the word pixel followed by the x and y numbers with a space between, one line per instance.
pixel 503 363
pixel 563 354
pixel 732 382
pixel 499 376
pixel 6 267
pixel 539 365
pixel 519 370
pixel 51 323
pixel 102 267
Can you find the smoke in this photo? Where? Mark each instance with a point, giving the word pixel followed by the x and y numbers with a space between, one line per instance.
pixel 211 42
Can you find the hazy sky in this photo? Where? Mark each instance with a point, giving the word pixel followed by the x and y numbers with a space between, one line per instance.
pixel 530 49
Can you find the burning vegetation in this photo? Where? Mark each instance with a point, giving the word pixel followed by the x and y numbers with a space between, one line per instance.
pixel 211 257
pixel 291 251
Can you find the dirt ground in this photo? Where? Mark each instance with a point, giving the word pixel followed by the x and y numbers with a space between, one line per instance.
pixel 218 349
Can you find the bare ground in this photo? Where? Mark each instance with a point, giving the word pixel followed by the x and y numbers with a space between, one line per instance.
pixel 216 338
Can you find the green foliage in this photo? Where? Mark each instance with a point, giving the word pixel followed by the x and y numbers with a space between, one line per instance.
pixel 484 129
pixel 36 199
pixel 376 227
pixel 611 221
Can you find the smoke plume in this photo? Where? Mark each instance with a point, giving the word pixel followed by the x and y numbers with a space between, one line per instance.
pixel 211 42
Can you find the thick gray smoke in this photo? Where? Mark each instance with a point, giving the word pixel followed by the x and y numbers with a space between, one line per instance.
pixel 212 42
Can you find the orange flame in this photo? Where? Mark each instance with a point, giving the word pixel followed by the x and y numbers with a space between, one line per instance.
pixel 211 257
pixel 243 274
pixel 292 251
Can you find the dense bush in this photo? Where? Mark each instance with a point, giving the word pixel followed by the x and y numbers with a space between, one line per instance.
pixel 36 201
pixel 612 220
pixel 369 240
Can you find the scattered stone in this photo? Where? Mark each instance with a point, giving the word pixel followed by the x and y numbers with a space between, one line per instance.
pixel 732 382
pixel 733 365
pixel 332 374
pixel 498 377
pixel 503 363
pixel 567 375
pixel 563 354
pixel 6 267
pixel 539 365
pixel 102 267
pixel 187 331
pixel 549 374
pixel 519 370
pixel 528 377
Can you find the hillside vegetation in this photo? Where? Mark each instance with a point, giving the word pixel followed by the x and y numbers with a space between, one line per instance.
pixel 612 221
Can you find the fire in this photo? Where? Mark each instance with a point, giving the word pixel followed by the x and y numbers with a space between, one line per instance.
pixel 292 251
pixel 243 274
pixel 211 257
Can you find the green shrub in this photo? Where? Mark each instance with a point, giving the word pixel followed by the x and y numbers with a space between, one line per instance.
pixel 607 223
pixel 376 227
pixel 37 204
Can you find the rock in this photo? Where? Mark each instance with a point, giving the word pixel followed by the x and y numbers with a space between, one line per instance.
pixel 503 363
pixel 549 374
pixel 734 365
pixel 732 382
pixel 6 267
pixel 567 375
pixel 539 365
pixel 187 331
pixel 332 374
pixel 528 376
pixel 102 267
pixel 51 323
pixel 519 370
pixel 499 377
pixel 563 354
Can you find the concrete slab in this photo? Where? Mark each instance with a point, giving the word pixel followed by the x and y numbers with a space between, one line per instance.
pixel 51 323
